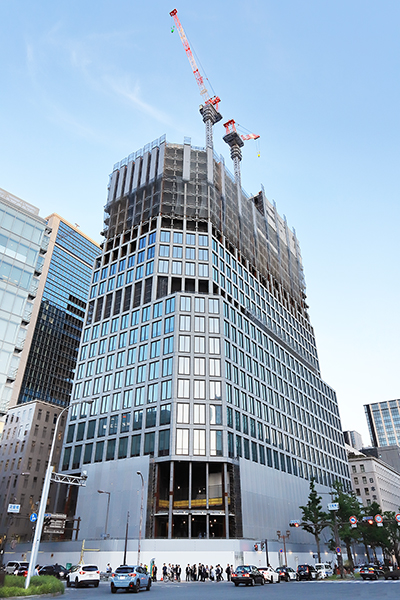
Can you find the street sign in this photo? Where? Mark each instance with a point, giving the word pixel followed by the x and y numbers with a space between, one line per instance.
pixel 378 518
pixel 397 517
pixel 338 550
pixel 14 508
pixel 33 517
pixel 56 523
pixel 353 521
pixel 333 506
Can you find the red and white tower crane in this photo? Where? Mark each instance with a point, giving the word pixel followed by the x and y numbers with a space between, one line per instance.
pixel 208 110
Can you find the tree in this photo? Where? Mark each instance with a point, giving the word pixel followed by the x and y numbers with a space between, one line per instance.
pixel 348 507
pixel 314 519
pixel 371 534
pixel 393 534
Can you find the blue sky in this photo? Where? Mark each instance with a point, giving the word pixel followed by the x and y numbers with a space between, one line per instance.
pixel 84 84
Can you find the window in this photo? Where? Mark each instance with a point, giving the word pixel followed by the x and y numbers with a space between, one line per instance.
pixel 213 306
pixel 110 449
pixel 199 442
pixel 183 388
pixel 137 419
pixel 190 253
pixel 184 323
pixel 176 267
pixel 199 345
pixel 135 446
pixel 362 468
pixel 215 390
pixel 152 392
pixel 203 270
pixel 184 343
pixel 149 443
pixel 167 367
pixel 163 266
pixel 182 412
pixel 216 443
pixel 98 457
pixel 199 414
pixel 155 349
pixel 125 422
pixel 123 447
pixel 151 414
pixel 199 391
pixel 182 441
pixel 203 240
pixel 177 252
pixel 214 345
pixel 183 365
pixel 199 305
pixel 168 345
pixel 199 366
pixel 215 414
pixel 185 303
pixel 213 324
pixel 163 442
pixel 215 367
pixel 165 414
pixel 199 324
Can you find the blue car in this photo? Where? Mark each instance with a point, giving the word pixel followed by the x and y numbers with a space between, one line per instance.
pixel 130 578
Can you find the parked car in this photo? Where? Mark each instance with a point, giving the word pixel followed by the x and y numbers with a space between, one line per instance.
pixel 248 575
pixel 269 574
pixel 22 571
pixel 56 570
pixel 129 577
pixel 13 565
pixel 392 574
pixel 307 572
pixel 286 573
pixel 371 572
pixel 324 570
pixel 83 575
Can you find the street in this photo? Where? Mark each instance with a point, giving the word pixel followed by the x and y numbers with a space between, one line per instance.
pixel 315 590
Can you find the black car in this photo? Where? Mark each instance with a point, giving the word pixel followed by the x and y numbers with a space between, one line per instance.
pixel 248 575
pixel 394 574
pixel 371 571
pixel 307 572
pixel 22 570
pixel 56 570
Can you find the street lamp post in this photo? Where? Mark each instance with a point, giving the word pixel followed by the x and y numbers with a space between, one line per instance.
pixel 44 498
pixel 141 518
pixel 108 509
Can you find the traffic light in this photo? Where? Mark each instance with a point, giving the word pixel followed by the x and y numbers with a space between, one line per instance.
pixel 256 547
pixel 294 524
pixel 262 546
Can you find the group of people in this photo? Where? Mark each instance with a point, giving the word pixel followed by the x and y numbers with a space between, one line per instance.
pixel 198 572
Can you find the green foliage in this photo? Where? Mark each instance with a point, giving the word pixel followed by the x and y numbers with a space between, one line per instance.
pixel 45 584
pixel 314 519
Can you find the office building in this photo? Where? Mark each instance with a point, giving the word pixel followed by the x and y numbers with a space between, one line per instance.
pixel 24 451
pixel 374 480
pixel 353 439
pixel 49 357
pixel 383 420
pixel 46 368
pixel 24 238
pixel 200 362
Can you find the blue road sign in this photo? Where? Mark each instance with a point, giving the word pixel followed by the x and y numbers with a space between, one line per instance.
pixel 33 517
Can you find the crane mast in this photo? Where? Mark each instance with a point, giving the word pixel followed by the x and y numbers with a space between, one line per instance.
pixel 208 110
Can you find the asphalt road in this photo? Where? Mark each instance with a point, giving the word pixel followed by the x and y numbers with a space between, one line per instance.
pixel 294 590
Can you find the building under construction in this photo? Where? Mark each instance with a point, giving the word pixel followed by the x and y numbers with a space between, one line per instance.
pixel 200 360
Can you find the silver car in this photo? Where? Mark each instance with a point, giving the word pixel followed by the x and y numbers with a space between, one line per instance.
pixel 129 577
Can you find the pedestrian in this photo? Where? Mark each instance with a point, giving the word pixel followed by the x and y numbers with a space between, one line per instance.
pixel 36 571
pixel 108 569
pixel 218 572
pixel 188 573
pixel 212 573
pixel 228 572
pixel 154 572
pixel 178 572
pixel 164 572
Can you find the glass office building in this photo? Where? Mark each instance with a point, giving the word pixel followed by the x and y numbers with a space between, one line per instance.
pixel 50 360
pixel 383 420
pixel 199 360
pixel 24 237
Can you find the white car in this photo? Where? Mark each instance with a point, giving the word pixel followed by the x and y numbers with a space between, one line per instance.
pixel 270 575
pixel 84 575
pixel 324 570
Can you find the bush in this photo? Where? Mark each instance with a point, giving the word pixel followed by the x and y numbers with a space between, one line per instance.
pixel 45 584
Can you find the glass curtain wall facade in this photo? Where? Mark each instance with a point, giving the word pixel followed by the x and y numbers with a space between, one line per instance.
pixel 198 357
pixel 23 244
pixel 383 420
pixel 53 351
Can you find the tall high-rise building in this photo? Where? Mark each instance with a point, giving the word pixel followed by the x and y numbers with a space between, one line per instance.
pixel 46 354
pixel 353 439
pixel 49 357
pixel 383 420
pixel 24 238
pixel 199 361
